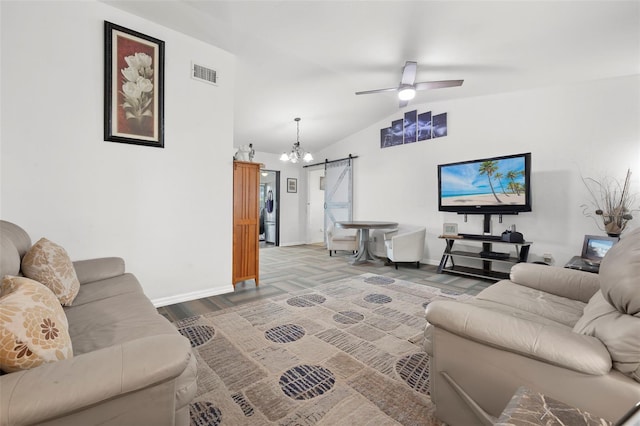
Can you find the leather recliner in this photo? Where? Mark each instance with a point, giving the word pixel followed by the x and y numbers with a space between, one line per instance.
pixel 570 335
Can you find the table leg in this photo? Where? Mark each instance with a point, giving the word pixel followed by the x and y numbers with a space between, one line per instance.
pixel 363 255
pixel 446 255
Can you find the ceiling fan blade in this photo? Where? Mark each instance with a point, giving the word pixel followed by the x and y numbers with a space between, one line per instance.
pixel 409 73
pixel 367 92
pixel 403 103
pixel 438 84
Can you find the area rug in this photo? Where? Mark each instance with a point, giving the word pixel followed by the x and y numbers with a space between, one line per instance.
pixel 343 353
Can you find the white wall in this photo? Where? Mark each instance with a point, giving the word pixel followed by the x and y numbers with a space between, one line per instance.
pixel 588 129
pixel 167 212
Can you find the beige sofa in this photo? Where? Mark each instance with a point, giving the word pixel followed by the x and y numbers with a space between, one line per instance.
pixel 130 365
pixel 571 335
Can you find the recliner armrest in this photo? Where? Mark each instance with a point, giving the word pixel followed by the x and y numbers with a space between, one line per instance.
pixel 553 345
pixel 569 283
pixel 91 270
pixel 53 390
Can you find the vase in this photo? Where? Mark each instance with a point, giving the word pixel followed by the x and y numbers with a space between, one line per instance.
pixel 613 229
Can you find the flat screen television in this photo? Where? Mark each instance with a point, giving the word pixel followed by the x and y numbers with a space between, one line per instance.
pixel 500 185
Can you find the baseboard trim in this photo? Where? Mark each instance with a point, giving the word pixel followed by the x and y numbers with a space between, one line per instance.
pixel 292 244
pixel 186 297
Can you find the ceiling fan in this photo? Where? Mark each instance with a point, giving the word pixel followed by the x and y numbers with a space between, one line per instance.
pixel 408 87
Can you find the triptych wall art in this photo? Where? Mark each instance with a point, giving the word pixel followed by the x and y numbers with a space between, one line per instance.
pixel 414 128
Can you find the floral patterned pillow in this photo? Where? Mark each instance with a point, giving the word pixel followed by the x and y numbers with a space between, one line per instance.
pixel 49 264
pixel 33 327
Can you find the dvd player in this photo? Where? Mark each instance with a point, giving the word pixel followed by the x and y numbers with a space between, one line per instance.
pixel 494 255
pixel 481 237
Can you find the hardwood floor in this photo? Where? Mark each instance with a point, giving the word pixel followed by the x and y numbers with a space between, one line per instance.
pixel 294 268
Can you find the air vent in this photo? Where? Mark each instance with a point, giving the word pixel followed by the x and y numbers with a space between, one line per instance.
pixel 205 74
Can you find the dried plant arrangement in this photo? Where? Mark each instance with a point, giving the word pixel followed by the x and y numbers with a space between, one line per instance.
pixel 611 201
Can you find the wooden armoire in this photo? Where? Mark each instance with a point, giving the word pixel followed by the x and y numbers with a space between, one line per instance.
pixel 246 221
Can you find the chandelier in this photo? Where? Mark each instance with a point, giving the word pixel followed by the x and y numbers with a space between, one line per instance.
pixel 297 153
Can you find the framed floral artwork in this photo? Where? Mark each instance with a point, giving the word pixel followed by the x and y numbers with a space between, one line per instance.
pixel 133 87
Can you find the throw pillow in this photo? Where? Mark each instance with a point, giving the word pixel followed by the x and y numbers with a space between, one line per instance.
pixel 48 263
pixel 33 327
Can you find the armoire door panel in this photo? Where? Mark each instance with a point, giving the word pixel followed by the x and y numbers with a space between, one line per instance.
pixel 246 186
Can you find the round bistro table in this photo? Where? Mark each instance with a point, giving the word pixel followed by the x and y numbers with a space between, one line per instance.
pixel 364 226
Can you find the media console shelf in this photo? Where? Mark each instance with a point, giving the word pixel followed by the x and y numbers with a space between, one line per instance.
pixel 487 241
pixel 521 251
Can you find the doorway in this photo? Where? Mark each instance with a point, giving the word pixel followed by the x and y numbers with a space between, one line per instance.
pixel 269 203
pixel 315 205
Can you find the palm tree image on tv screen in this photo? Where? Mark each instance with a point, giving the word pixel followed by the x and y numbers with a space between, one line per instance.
pixel 490 169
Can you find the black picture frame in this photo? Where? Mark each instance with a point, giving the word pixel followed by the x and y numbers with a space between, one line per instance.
pixel 292 185
pixel 424 126
pixel 397 132
pixel 133 87
pixel 440 125
pixel 410 131
pixel 386 136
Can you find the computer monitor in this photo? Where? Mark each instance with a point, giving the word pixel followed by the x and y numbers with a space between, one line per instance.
pixel 595 247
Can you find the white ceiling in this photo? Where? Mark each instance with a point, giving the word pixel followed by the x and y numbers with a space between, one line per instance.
pixel 307 58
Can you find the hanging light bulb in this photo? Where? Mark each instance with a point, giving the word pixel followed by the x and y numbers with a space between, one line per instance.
pixel 297 153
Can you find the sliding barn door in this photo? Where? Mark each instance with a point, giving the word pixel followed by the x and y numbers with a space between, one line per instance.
pixel 338 192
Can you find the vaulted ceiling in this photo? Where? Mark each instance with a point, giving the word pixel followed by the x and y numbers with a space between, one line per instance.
pixel 307 58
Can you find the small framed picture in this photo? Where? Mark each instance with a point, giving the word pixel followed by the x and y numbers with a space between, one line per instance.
pixel 450 229
pixel 292 185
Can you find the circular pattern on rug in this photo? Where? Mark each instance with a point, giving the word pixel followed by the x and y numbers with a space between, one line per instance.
pixel 306 381
pixel 414 370
pixel 379 280
pixel 306 300
pixel 348 317
pixel 198 334
pixel 285 333
pixel 204 414
pixel 377 298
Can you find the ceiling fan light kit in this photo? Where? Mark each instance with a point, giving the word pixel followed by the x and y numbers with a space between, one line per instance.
pixel 406 93
pixel 297 153
pixel 408 86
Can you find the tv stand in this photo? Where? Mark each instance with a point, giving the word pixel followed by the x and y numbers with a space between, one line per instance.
pixel 488 257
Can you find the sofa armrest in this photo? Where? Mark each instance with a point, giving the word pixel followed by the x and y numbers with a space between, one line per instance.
pixel 550 344
pixel 98 269
pixel 569 283
pixel 57 389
